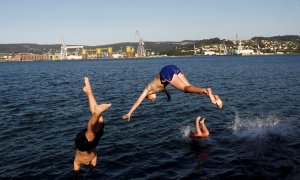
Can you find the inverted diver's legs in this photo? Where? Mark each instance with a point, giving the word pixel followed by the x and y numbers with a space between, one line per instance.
pixel 94 121
pixel 204 128
pixel 90 133
pixel 88 91
pixel 198 126
pixel 92 101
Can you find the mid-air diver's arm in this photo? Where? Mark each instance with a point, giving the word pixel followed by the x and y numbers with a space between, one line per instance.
pixel 137 102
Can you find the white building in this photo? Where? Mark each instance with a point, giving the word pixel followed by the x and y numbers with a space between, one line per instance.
pixel 241 51
pixel 209 53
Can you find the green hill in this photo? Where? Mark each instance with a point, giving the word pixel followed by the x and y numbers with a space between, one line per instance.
pixel 169 48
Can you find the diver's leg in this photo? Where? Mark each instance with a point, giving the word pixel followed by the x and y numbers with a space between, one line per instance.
pixel 199 133
pixel 205 130
pixel 179 83
pixel 88 91
pixel 94 121
pixel 184 79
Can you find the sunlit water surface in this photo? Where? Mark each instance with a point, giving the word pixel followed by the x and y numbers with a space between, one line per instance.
pixel 255 136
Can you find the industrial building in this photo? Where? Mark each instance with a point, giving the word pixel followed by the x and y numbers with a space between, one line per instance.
pixel 29 57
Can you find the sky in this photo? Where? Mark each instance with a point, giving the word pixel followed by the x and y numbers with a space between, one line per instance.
pixel 101 22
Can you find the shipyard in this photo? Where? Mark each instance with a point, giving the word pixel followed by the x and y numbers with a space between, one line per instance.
pixel 140 49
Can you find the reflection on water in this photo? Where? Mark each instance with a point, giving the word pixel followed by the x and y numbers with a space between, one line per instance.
pixel 202 149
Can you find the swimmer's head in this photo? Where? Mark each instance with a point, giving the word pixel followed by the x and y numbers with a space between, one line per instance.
pixel 151 97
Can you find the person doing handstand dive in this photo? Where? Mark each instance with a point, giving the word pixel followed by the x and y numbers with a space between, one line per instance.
pixel 87 140
pixel 171 74
pixel 198 132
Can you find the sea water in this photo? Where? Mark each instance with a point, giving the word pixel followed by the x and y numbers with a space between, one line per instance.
pixel 255 136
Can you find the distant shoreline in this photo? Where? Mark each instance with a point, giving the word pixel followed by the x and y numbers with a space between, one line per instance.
pixel 125 59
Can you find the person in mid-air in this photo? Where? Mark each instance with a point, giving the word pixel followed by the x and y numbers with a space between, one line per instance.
pixel 87 140
pixel 199 133
pixel 171 74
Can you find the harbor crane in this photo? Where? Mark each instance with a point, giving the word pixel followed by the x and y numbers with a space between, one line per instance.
pixel 64 49
pixel 141 49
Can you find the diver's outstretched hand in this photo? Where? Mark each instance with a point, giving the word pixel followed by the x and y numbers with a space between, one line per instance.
pixel 126 116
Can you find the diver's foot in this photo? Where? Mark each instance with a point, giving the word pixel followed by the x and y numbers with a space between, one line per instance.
pixel 101 108
pixel 198 118
pixel 211 96
pixel 202 121
pixel 87 88
pixel 219 101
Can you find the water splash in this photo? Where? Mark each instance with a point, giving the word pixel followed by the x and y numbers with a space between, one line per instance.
pixel 255 127
pixel 185 131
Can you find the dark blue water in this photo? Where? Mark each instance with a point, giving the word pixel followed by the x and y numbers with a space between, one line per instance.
pixel 255 136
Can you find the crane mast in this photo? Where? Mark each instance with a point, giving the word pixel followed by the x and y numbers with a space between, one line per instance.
pixel 141 49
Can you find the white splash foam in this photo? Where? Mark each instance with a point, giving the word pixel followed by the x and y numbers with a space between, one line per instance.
pixel 185 131
pixel 255 127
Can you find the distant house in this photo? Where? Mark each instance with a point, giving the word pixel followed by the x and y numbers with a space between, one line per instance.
pixel 209 53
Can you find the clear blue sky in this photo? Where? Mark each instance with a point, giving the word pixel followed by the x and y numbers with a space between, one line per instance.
pixel 99 22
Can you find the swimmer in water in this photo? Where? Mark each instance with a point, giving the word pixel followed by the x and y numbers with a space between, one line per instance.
pixel 198 132
pixel 171 74
pixel 87 140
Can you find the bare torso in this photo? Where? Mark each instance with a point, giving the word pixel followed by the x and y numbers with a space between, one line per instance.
pixel 85 157
pixel 155 86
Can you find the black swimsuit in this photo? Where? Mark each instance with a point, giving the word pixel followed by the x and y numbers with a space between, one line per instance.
pixel 82 144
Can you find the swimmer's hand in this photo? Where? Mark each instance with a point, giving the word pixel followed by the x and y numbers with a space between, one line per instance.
pixel 126 116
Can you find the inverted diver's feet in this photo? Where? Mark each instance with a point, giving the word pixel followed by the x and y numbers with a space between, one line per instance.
pixel 211 96
pixel 219 101
pixel 101 108
pixel 87 88
pixel 202 121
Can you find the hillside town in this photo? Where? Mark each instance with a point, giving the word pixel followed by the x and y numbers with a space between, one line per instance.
pixel 250 47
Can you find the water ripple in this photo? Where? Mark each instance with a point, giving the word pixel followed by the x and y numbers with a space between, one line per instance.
pixel 255 136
